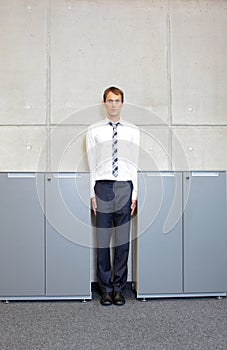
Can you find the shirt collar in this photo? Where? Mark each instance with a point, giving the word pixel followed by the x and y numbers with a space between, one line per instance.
pixel 120 121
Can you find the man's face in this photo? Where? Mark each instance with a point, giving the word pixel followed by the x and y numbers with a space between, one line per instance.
pixel 113 106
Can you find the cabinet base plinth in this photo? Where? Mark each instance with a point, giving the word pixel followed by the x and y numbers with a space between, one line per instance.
pixel 143 297
pixel 82 298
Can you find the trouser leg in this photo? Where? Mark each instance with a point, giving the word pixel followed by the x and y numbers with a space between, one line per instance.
pixel 104 222
pixel 104 270
pixel 122 218
pixel 120 266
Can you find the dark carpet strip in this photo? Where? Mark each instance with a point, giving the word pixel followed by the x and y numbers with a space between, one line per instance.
pixel 158 324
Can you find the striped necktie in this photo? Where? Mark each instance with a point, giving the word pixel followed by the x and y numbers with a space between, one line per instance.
pixel 114 150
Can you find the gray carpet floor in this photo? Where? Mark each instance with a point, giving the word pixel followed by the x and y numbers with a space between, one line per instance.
pixel 158 324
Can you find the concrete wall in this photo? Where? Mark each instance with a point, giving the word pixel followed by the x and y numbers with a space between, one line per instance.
pixel 57 57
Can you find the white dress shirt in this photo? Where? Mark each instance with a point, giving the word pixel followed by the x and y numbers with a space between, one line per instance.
pixel 99 151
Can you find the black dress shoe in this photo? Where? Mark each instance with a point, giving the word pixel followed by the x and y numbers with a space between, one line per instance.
pixel 118 298
pixel 106 299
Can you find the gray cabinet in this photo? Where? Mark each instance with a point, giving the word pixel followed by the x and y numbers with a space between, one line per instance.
pixel 68 235
pixel 45 236
pixel 159 243
pixel 181 247
pixel 22 237
pixel 205 232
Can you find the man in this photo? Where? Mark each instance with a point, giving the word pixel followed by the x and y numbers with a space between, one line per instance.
pixel 113 151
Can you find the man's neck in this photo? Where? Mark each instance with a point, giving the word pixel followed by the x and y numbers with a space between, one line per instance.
pixel 114 119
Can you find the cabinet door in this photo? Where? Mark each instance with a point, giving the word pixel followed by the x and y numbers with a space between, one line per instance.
pixel 68 235
pixel 159 243
pixel 21 235
pixel 205 232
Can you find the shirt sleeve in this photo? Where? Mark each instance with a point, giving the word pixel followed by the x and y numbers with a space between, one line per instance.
pixel 91 155
pixel 136 144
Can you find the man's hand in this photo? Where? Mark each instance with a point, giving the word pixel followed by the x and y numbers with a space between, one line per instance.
pixel 94 205
pixel 133 206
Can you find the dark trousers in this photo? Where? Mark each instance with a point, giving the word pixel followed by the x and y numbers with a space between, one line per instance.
pixel 113 210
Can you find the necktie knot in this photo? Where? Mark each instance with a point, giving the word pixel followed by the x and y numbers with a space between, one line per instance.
pixel 114 125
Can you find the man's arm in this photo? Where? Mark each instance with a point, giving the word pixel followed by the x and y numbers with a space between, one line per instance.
pixel 136 145
pixel 91 155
